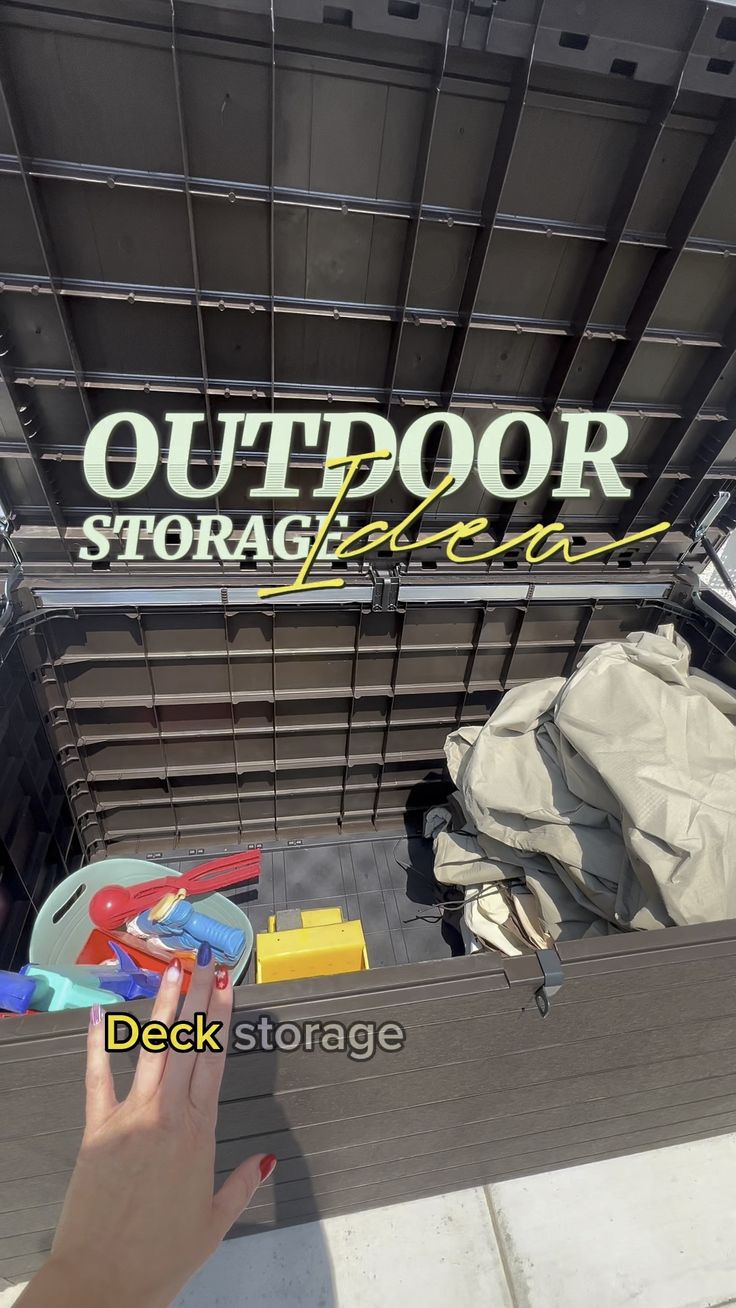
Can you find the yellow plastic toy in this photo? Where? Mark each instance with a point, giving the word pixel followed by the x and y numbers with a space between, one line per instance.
pixel 310 942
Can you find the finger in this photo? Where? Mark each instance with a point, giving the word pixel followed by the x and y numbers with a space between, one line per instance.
pixel 151 1065
pixel 180 1065
pixel 204 1087
pixel 236 1193
pixel 99 1087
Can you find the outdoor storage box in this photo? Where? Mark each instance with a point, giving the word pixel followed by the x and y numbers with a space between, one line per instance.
pixel 388 207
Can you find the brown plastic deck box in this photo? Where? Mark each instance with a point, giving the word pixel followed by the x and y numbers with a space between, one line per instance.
pixel 384 205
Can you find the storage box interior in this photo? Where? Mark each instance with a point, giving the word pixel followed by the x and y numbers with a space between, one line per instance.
pixel 381 208
pixel 228 757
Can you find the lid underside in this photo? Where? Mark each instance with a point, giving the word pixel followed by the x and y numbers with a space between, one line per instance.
pixel 383 207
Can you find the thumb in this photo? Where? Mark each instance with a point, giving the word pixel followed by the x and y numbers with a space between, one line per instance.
pixel 237 1191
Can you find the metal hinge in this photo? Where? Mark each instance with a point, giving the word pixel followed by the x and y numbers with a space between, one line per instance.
pixel 385 595
pixel 710 515
pixel 15 576
pixel 549 961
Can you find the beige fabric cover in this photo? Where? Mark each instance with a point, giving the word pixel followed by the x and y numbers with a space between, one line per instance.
pixel 610 795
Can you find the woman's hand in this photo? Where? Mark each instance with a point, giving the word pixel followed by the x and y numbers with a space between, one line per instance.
pixel 140 1216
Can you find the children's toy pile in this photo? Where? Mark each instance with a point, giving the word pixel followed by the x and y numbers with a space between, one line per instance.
pixel 108 932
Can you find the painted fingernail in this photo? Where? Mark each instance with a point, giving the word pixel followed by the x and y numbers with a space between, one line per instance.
pixel 95 1015
pixel 221 977
pixel 204 954
pixel 267 1166
pixel 173 971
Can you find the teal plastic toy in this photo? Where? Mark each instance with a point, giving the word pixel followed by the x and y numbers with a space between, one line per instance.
pixel 55 992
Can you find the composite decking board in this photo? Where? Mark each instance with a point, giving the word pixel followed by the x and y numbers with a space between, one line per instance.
pixel 354 1096
pixel 17 1269
pixel 301 1180
pixel 510 1135
pixel 544 1061
pixel 491 994
pixel 289 1213
pixel 24 1254
pixel 486 1173
pixel 616 956
pixel 554 1127
pixel 306 1184
pixel 642 963
pixel 514 1152
pixel 628 943
pixel 398 1005
pixel 33 1039
pixel 62 1060
pixel 561 1040
pixel 379 1131
pixel 348 988
pixel 52 1059
pixel 29 1221
pixel 38 1155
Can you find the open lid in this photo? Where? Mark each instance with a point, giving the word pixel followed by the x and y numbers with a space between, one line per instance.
pixel 389 206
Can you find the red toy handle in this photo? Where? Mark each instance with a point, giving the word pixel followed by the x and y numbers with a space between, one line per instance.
pixel 114 905
pixel 219 873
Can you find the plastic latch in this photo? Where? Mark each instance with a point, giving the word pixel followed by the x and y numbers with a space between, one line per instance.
pixel 549 961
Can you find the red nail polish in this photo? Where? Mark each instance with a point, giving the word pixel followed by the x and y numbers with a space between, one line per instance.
pixel 173 971
pixel 267 1166
pixel 221 978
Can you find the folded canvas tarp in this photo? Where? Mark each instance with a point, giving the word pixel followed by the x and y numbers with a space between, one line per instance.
pixel 595 804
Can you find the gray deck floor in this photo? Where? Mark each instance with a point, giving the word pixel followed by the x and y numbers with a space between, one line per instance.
pixel 386 881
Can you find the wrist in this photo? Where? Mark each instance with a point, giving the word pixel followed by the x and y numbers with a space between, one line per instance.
pixel 81 1283
pixel 60 1284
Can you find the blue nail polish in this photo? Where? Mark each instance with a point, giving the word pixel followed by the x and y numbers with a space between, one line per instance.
pixel 204 954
